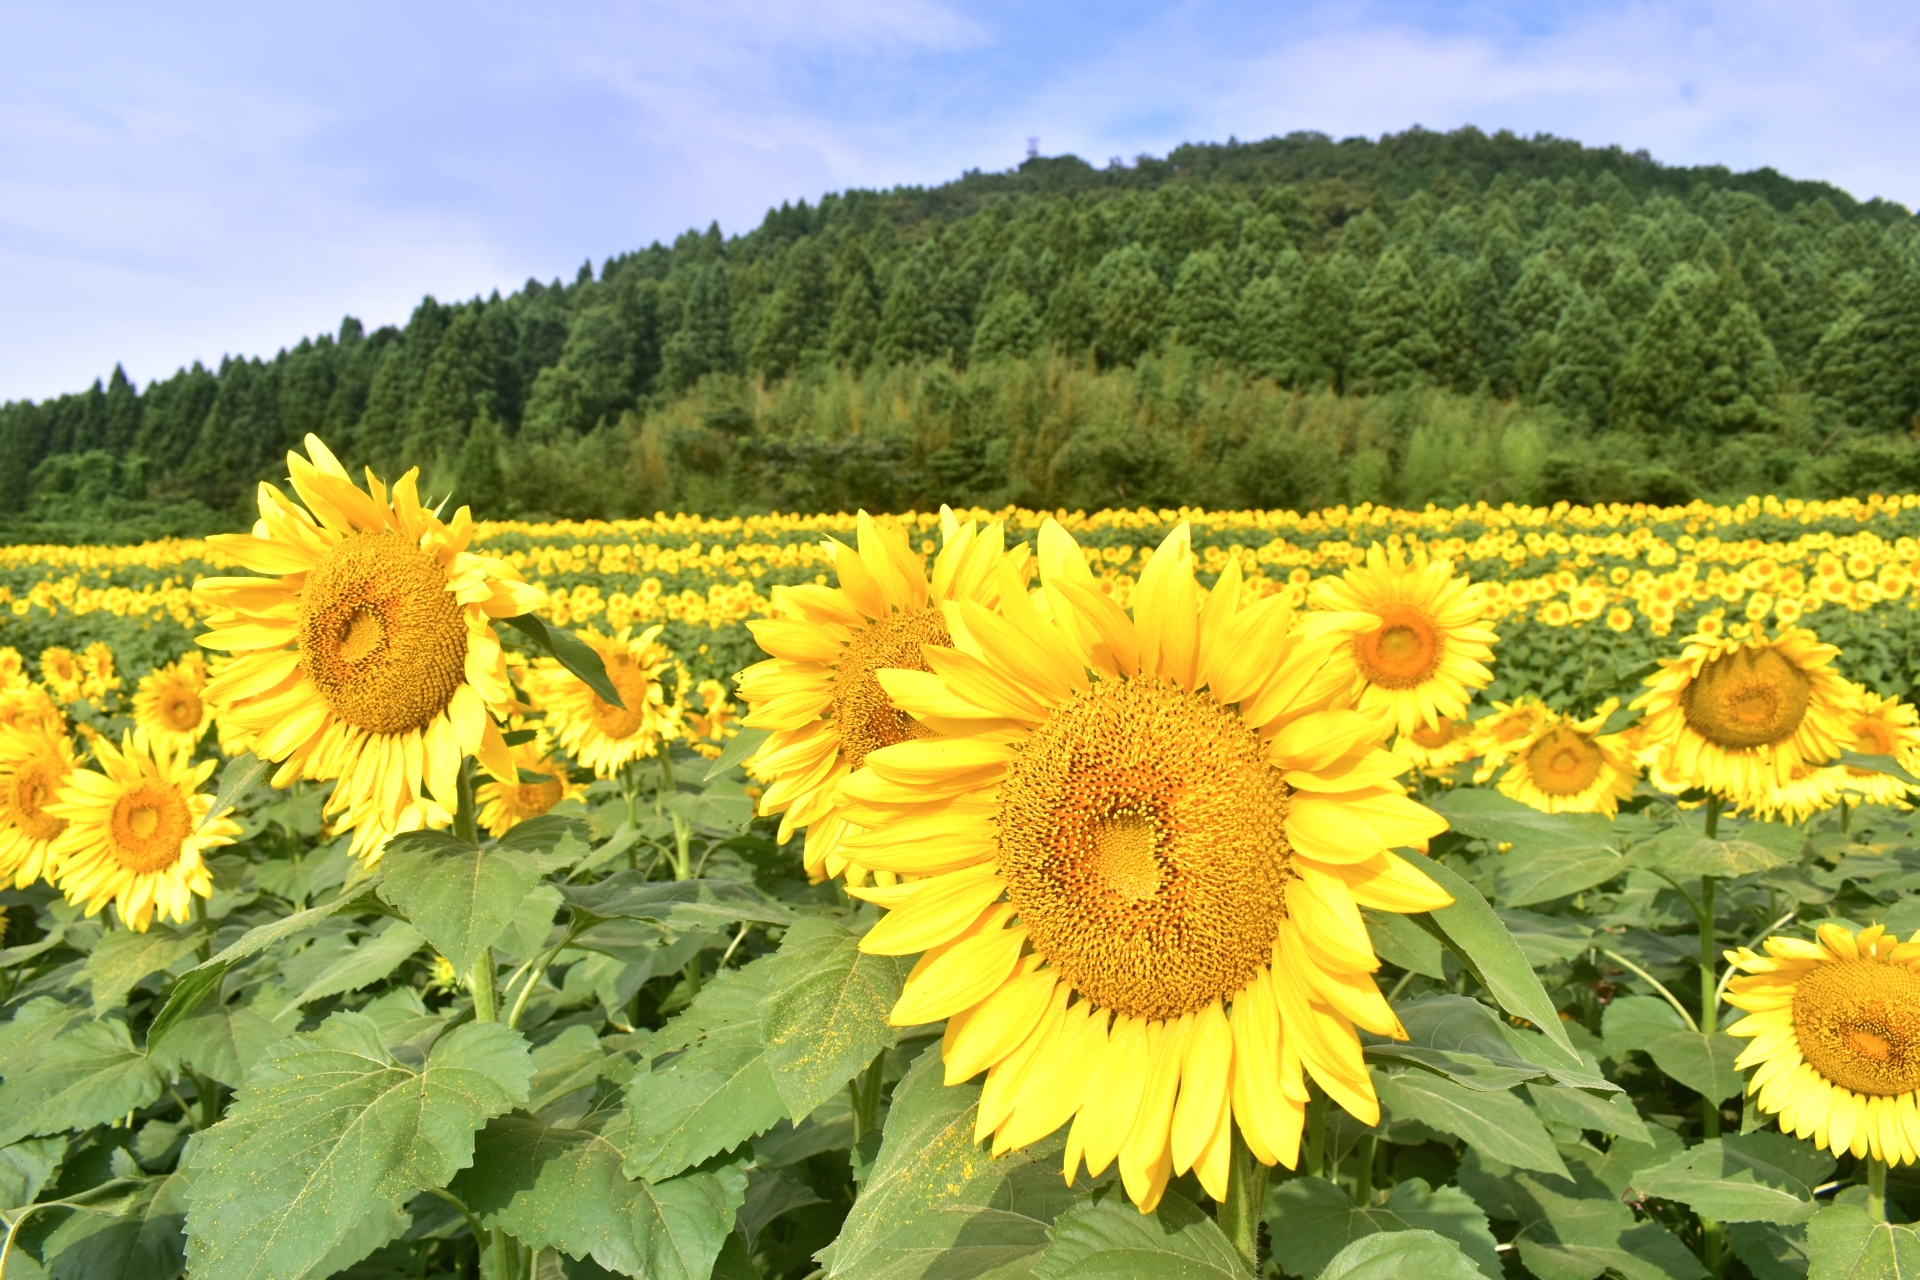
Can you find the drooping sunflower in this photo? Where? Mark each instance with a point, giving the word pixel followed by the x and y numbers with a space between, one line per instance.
pixel 1142 843
pixel 169 703
pixel 543 783
pixel 1883 727
pixel 369 656
pixel 1569 766
pixel 1835 1030
pixel 601 736
pixel 134 835
pixel 818 693
pixel 1425 650
pixel 1812 789
pixel 1497 733
pixel 34 764
pixel 1438 750
pixel 1737 717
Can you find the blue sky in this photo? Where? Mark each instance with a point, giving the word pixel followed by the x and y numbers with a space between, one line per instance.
pixel 179 182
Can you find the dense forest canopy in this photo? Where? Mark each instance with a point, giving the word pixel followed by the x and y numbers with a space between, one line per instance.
pixel 1426 317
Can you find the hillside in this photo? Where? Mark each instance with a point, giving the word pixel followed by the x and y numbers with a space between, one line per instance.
pixel 1299 321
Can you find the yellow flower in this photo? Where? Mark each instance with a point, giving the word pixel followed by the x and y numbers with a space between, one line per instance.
pixel 370 657
pixel 1619 619
pixel 818 693
pixel 1497 734
pixel 709 728
pixel 34 765
pixel 1835 1026
pixel 1883 727
pixel 501 805
pixel 1424 651
pixel 1569 766
pixel 62 674
pixel 1183 829
pixel 168 704
pixel 1438 749
pixel 29 706
pixel 1737 717
pixel 601 736
pixel 134 835
pixel 1811 790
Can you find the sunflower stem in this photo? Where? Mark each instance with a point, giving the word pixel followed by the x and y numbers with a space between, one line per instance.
pixel 1363 1171
pixel 1709 970
pixel 1713 817
pixel 1877 1189
pixel 1317 1133
pixel 1846 816
pixel 486 1007
pixel 463 821
pixel 865 1088
pixel 1239 1214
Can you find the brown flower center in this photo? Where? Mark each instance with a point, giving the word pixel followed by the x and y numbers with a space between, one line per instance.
pixel 29 792
pixel 149 825
pixel 181 710
pixel 1403 652
pixel 381 636
pixel 866 719
pixel 1435 736
pixel 1141 837
pixel 1747 698
pixel 632 682
pixel 1858 1024
pixel 1564 762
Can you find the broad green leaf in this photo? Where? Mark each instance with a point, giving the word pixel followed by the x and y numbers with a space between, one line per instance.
pixel 330 1129
pixel 532 927
pixel 1843 1243
pixel 563 1189
pixel 713 812
pixel 1546 940
pixel 739 748
pixel 565 1065
pixel 90 1075
pixel 1575 1227
pixel 1582 1110
pixel 1878 764
pixel 380 1226
pixel 459 896
pixel 678 904
pixel 1770 1252
pixel 1635 1022
pixel 1488 815
pixel 26 1166
pixel 1106 1238
pixel 1757 1177
pixel 1476 934
pixel 713 1089
pixel 552 840
pixel 935 1203
pixel 240 776
pixel 1458 1038
pixel 1412 1255
pixel 145 1242
pixel 224 1040
pixel 1541 875
pixel 825 1015
pixel 1682 851
pixel 771 1193
pixel 35 1026
pixel 366 963
pixel 125 956
pixel 1311 1220
pixel 1399 941
pixel 1498 1124
pixel 1703 1063
pixel 572 652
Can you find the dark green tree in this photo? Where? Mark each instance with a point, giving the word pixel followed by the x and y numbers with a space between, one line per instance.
pixel 703 343
pixel 1133 300
pixel 1743 376
pixel 1265 324
pixel 1584 361
pixel 1009 327
pixel 909 329
pixel 1201 310
pixel 1393 345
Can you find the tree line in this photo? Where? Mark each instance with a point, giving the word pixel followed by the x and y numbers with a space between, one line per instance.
pixel 1059 333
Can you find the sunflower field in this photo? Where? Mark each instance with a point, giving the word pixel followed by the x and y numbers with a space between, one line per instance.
pixel 1345 895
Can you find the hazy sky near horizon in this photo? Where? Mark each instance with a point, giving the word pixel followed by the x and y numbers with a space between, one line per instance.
pixel 182 182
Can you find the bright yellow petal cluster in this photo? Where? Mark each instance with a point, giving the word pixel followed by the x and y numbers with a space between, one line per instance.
pixel 543 783
pixel 1568 765
pixel 134 835
pixel 1835 1031
pixel 170 705
pixel 368 655
pixel 1133 852
pixel 35 762
pixel 1883 727
pixel 601 736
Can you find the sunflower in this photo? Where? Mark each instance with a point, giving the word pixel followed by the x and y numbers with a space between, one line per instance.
pixel 168 704
pixel 601 736
pixel 134 833
pixel 1569 766
pixel 34 765
pixel 28 706
pixel 1425 649
pixel 13 669
pixel 370 656
pixel 1141 844
pixel 709 728
pixel 1495 734
pixel 1738 716
pixel 1812 789
pixel 1438 749
pixel 543 784
pixel 1883 727
pixel 818 693
pixel 61 673
pixel 1835 1025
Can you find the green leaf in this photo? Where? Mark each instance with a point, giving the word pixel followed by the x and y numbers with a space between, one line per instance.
pixel 1311 1220
pixel 378 1227
pixel 1417 1255
pixel 1878 764
pixel 125 956
pixel 1703 1063
pixel 825 1015
pixel 35 1026
pixel 1498 1124
pixel 573 653
pixel 1547 940
pixel 1579 1109
pixel 1770 1252
pixel 144 1242
pixel 552 840
pixel 1758 1177
pixel 1635 1022
pixel 1457 1038
pixel 714 1088
pixel 739 748
pixel 461 897
pixel 1575 1227
pixel 563 1189
pixel 1682 851
pixel 680 905
pixel 1843 1243
pixel 225 1040
pixel 90 1075
pixel 1471 928
pixel 332 1128
pixel 1106 1238
pixel 934 1203
pixel 240 776
pixel 25 1167
pixel 1399 941
pixel 375 957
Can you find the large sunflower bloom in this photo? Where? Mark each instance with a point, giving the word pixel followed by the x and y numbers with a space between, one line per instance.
pixel 1425 646
pixel 34 764
pixel 1835 1026
pixel 370 656
pixel 169 703
pixel 1142 844
pixel 1738 717
pixel 818 693
pixel 1883 727
pixel 1569 766
pixel 601 736
pixel 134 833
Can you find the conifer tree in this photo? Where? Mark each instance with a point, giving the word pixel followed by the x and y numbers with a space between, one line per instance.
pixel 1132 300
pixel 1659 384
pixel 1070 323
pixel 1325 321
pixel 796 315
pixel 1201 310
pixel 1393 347
pixel 909 329
pixel 1488 323
pixel 703 343
pixel 1584 359
pixel 443 411
pixel 478 479
pixel 1009 327
pixel 1265 323
pixel 1454 364
pixel 1742 384
pixel 856 311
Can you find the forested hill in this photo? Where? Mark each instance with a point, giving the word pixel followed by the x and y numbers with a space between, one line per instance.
pixel 1428 317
